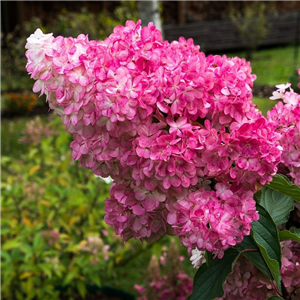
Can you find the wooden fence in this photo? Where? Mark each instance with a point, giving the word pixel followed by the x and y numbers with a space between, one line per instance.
pixel 214 36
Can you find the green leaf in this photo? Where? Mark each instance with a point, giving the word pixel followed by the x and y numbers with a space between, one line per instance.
pixel 257 196
pixel 265 234
pixel 46 268
pixel 81 288
pixel 5 231
pixel 208 257
pixel 286 235
pixel 275 298
pixel 282 184
pixel 11 244
pixel 256 257
pixel 209 280
pixel 71 275
pixel 277 205
pixel 95 278
pixel 37 241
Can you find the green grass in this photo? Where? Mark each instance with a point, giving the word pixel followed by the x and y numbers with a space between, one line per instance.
pixel 263 104
pixel 272 66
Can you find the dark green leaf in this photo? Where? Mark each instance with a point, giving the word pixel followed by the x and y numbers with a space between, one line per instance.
pixel 282 184
pixel 256 257
pixel 286 235
pixel 277 205
pixel 257 196
pixel 208 257
pixel 275 298
pixel 209 280
pixel 265 235
pixel 71 275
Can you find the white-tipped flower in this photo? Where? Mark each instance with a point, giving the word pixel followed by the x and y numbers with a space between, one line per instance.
pixel 197 258
pixel 279 94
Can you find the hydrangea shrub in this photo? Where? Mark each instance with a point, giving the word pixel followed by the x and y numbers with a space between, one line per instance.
pixel 178 133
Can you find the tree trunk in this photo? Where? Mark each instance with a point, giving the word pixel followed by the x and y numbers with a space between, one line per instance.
pixel 149 12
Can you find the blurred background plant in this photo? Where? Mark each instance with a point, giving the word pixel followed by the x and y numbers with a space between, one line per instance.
pixel 166 278
pixel 252 24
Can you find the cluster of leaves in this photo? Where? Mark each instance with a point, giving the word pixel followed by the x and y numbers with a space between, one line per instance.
pixel 262 247
pixel 52 215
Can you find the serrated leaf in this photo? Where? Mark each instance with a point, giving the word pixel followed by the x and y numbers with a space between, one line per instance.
pixel 282 184
pixel 286 235
pixel 277 205
pixel 265 234
pixel 209 280
pixel 256 257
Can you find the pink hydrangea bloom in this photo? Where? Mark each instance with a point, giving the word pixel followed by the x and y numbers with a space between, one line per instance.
pixel 177 131
pixel 285 120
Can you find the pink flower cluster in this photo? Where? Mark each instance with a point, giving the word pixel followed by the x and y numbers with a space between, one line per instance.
pixel 95 246
pixel 176 131
pixel 246 282
pixel 285 119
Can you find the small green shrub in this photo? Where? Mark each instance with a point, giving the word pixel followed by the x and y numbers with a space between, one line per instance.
pixel 251 24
